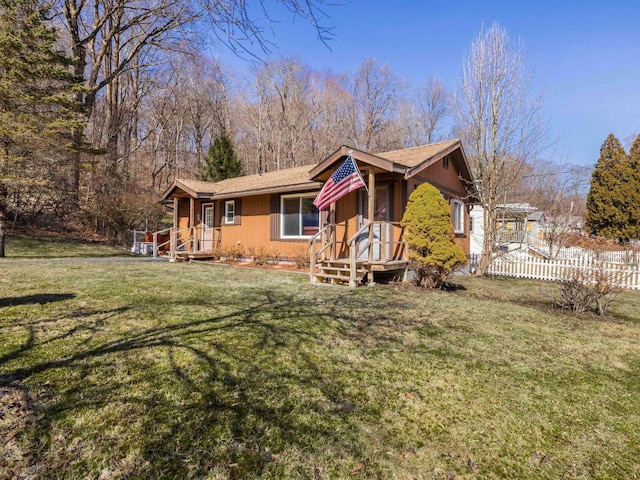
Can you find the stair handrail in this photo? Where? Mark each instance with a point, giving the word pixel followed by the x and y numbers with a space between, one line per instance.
pixel 157 246
pixel 190 241
pixel 313 255
pixel 354 254
pixel 173 240
pixel 352 240
pixel 359 232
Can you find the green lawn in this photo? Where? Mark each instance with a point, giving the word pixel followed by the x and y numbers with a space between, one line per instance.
pixel 148 370
pixel 21 247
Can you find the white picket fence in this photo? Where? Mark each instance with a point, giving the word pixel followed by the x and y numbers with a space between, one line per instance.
pixel 621 256
pixel 624 276
pixel 631 255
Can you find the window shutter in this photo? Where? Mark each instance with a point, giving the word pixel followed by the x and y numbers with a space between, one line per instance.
pixel 275 217
pixel 217 213
pixel 237 215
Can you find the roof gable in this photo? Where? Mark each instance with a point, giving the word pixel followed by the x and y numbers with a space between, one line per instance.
pixel 406 161
pixel 414 157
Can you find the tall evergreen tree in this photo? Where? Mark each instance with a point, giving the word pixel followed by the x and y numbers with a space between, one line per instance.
pixel 634 190
pixel 610 198
pixel 221 160
pixel 36 113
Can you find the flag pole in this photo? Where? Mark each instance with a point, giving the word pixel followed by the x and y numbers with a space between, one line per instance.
pixel 355 166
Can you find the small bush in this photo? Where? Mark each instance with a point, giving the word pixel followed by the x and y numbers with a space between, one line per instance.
pixel 262 256
pixel 433 254
pixel 588 290
pixel 229 254
pixel 300 256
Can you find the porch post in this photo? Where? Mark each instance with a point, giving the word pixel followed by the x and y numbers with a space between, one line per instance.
pixel 372 210
pixel 332 231
pixel 174 232
pixel 192 233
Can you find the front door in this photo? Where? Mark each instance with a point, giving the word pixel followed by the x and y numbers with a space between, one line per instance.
pixel 206 243
pixel 381 214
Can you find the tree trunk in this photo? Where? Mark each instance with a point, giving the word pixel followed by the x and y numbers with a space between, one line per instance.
pixel 3 218
pixel 489 241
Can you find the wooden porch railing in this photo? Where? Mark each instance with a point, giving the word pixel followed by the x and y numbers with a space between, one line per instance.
pixel 396 247
pixel 327 230
pixel 192 240
pixel 513 236
pixel 156 245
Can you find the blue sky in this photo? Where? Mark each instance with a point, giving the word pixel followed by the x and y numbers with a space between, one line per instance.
pixel 586 55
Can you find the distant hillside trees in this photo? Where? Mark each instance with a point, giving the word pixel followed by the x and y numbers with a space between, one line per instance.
pixel 115 43
pixel 37 114
pixel 613 201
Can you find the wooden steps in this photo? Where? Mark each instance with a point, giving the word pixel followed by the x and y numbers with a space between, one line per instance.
pixel 339 272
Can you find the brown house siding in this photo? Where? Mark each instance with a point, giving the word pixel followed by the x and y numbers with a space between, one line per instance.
pixel 260 229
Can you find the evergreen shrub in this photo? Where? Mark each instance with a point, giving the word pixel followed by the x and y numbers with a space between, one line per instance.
pixel 433 254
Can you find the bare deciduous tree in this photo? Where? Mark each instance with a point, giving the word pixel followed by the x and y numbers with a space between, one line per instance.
pixel 425 116
pixel 108 38
pixel 287 109
pixel 376 92
pixel 501 119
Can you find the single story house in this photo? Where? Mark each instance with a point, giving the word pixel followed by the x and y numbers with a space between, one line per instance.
pixel 359 234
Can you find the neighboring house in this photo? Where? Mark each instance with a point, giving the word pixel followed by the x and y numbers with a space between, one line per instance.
pixel 517 224
pixel 360 234
pixel 536 222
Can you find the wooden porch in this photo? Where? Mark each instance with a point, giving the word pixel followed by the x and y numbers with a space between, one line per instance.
pixel 186 243
pixel 376 247
pixel 195 241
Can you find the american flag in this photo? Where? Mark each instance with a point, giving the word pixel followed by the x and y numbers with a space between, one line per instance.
pixel 345 179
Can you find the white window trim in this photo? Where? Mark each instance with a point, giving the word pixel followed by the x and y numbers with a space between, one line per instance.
pixel 294 195
pixel 458 226
pixel 226 212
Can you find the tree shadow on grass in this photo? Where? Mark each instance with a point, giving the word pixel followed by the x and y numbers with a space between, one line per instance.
pixel 38 299
pixel 229 394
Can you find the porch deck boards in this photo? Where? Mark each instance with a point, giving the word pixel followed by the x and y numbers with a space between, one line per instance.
pixel 374 266
pixel 195 255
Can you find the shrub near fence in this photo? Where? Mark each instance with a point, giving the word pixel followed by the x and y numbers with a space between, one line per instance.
pixel 623 276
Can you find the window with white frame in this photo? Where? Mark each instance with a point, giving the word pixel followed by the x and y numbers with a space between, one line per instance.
pixel 229 212
pixel 458 216
pixel 299 217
